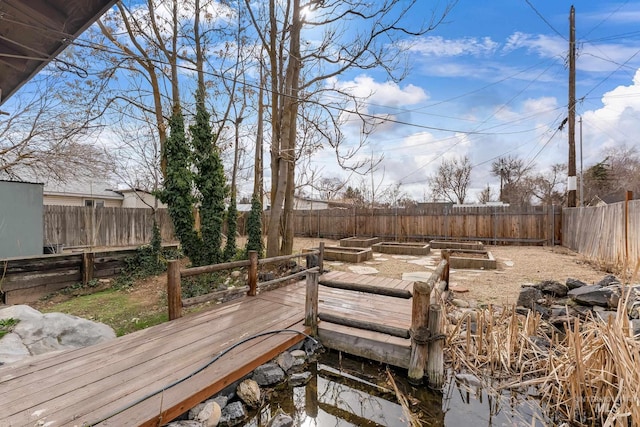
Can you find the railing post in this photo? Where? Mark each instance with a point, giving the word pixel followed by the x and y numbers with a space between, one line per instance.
pixel 419 331
pixel 311 303
pixel 435 360
pixel 174 290
pixel 321 258
pixel 87 267
pixel 252 277
pixel 445 273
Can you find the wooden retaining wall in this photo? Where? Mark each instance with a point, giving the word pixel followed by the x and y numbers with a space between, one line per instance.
pixel 24 280
pixel 608 235
pixel 496 225
pixel 74 226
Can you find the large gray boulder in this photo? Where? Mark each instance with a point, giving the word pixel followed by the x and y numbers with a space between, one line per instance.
pixel 591 295
pixel 529 297
pixel 268 374
pixel 38 333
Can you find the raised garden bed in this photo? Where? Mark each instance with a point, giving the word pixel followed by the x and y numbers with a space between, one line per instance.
pixel 472 259
pixel 402 248
pixel 353 255
pixel 454 244
pixel 359 242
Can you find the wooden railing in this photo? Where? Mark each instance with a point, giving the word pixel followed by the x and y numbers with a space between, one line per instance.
pixel 175 276
pixel 427 318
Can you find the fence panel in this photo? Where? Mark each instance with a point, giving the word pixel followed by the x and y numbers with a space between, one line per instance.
pixel 86 226
pixel 531 225
pixel 608 235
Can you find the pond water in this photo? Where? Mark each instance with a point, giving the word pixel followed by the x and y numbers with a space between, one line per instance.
pixel 345 391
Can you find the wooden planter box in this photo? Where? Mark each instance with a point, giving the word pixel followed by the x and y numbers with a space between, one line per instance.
pixel 359 242
pixel 453 244
pixel 474 259
pixel 402 248
pixel 353 255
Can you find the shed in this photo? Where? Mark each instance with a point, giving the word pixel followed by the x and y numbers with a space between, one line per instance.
pixel 21 227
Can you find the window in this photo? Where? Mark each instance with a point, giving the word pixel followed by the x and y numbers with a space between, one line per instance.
pixel 90 203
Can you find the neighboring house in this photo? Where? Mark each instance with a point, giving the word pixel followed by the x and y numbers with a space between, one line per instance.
pixel 137 198
pixel 97 195
pixel 305 203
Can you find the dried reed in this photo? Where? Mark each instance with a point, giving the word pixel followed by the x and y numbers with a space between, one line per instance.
pixel 587 375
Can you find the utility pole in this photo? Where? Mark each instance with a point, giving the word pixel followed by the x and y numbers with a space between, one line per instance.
pixel 571 181
pixel 581 172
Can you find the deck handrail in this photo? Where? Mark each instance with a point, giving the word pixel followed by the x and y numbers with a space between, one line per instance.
pixel 175 274
pixel 427 319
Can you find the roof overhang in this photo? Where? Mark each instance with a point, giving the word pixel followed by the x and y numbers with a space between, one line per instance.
pixel 34 32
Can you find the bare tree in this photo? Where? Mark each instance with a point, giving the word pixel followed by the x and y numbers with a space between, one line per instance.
pixel 48 137
pixel 513 173
pixel 486 195
pixel 375 32
pixel 549 188
pixel 451 180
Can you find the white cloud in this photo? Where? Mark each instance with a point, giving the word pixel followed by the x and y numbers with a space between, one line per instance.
pixel 440 47
pixel 540 44
pixel 385 93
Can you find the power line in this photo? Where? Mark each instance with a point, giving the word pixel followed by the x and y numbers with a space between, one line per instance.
pixel 545 20
pixel 606 18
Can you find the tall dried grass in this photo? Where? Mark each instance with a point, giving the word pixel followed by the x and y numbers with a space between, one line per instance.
pixel 587 375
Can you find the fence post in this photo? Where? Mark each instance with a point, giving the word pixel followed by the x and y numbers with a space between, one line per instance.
pixel 311 303
pixel 321 258
pixel 419 331
pixel 87 267
pixel 627 198
pixel 252 277
pixel 435 360
pixel 174 290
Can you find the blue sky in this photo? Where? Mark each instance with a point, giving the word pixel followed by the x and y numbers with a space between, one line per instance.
pixel 494 74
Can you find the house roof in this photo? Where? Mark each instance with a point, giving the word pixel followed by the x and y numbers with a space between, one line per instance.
pixel 87 189
pixel 34 32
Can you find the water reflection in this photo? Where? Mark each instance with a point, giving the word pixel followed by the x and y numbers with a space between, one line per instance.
pixel 348 392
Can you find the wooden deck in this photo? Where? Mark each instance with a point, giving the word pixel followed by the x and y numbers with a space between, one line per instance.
pixel 96 385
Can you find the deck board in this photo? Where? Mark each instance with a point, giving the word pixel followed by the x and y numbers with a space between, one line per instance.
pixel 86 385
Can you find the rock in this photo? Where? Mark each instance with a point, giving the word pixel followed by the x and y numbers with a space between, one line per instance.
pixel 634 328
pixel 221 401
pixel 12 349
pixel 266 276
pixel 185 423
pixel 312 261
pixel 633 309
pixel 296 380
pixel 311 346
pixel 540 342
pixel 591 295
pixel 193 412
pixel 460 303
pixel 606 316
pixel 249 392
pixel 299 354
pixel 268 374
pixel 608 280
pixel 210 414
pixel 43 333
pixel 236 274
pixel 280 420
pixel 575 283
pixel 460 289
pixel 468 379
pixel 529 297
pixel 553 288
pixel 544 311
pixel 285 361
pixel 233 414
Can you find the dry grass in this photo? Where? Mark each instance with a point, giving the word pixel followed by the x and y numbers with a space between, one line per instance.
pixel 589 375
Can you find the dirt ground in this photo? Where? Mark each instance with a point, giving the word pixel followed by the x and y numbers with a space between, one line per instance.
pixel 516 265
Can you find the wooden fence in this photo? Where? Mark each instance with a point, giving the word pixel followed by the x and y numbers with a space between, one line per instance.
pixel 27 279
pixel 496 225
pixel 74 226
pixel 608 235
